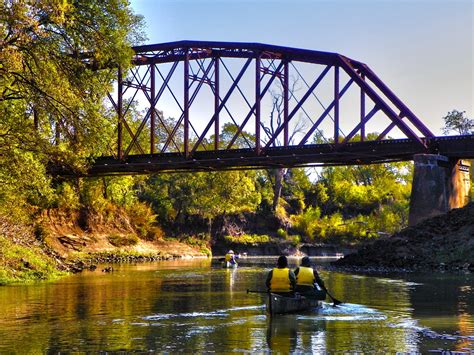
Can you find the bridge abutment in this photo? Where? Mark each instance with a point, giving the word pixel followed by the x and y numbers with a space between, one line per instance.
pixel 439 185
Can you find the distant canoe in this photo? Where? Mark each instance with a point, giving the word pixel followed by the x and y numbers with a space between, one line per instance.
pixel 229 265
pixel 277 304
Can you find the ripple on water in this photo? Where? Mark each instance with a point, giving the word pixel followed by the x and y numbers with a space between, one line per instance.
pixel 212 314
pixel 346 312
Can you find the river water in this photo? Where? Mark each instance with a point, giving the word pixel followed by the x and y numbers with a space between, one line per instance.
pixel 196 306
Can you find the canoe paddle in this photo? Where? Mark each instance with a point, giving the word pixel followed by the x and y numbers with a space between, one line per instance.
pixel 335 301
pixel 256 291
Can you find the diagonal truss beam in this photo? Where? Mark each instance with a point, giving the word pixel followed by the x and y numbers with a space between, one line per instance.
pixel 180 134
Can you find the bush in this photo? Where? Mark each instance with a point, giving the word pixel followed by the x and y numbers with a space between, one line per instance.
pixel 308 222
pixel 281 233
pixel 142 218
pixel 154 233
pixel 118 240
pixel 247 239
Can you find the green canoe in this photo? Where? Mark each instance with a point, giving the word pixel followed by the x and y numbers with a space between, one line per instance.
pixel 277 304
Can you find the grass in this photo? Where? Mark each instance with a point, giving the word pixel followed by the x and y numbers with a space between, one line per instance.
pixel 23 264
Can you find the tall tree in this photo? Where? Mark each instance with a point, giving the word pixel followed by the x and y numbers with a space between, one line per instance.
pixel 275 121
pixel 51 93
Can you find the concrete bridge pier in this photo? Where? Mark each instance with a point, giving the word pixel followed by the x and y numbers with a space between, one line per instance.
pixel 439 185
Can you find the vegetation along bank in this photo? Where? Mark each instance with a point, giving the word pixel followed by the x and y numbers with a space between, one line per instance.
pixel 55 116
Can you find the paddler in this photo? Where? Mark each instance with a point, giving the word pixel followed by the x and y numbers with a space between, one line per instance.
pixel 281 280
pixel 306 280
pixel 230 257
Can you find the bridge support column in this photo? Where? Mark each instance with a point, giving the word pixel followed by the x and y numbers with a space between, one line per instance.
pixel 439 185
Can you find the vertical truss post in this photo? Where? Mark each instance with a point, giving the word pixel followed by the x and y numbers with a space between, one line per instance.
pixel 186 105
pixel 257 105
pixel 216 103
pixel 362 111
pixel 119 113
pixel 152 113
pixel 285 102
pixel 336 104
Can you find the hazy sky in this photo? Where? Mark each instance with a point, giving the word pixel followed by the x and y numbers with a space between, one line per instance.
pixel 422 49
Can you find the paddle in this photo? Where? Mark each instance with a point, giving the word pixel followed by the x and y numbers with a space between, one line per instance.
pixel 335 301
pixel 256 291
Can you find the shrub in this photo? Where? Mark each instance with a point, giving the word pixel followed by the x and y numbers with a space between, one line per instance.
pixel 307 222
pixel 154 233
pixel 281 233
pixel 118 240
pixel 247 239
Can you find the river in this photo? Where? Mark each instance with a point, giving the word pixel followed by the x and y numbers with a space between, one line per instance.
pixel 196 306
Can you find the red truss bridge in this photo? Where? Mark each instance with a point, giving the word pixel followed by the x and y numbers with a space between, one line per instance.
pixel 205 106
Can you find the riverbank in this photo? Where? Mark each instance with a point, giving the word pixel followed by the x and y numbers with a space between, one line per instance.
pixel 444 243
pixel 62 242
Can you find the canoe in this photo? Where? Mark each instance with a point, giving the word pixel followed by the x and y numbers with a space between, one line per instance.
pixel 229 265
pixel 277 304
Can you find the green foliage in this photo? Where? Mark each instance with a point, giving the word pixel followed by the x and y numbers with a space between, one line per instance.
pixel 121 240
pixel 143 220
pixel 307 222
pixel 294 239
pixel 21 263
pixel 248 239
pixel 281 233
pixel 67 196
pixel 175 196
pixel 200 240
pixel 52 108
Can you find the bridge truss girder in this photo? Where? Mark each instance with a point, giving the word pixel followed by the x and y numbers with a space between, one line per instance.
pixel 270 62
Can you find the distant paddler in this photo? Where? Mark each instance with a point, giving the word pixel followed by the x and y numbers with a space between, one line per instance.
pixel 230 259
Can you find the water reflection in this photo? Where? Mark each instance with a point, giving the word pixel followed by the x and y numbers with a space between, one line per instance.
pixel 192 306
pixel 282 333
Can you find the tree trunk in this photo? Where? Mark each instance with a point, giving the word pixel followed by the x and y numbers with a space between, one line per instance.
pixel 277 187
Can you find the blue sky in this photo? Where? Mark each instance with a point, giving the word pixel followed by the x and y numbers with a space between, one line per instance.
pixel 422 49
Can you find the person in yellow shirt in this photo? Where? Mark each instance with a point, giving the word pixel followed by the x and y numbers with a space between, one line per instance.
pixel 306 280
pixel 281 280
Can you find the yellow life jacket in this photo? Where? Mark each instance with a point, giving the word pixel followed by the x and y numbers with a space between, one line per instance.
pixel 228 257
pixel 305 276
pixel 280 280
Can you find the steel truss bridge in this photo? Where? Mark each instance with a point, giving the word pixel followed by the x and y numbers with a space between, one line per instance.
pixel 205 106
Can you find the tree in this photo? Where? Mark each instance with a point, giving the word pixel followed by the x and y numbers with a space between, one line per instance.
pixel 51 93
pixel 458 122
pixel 275 121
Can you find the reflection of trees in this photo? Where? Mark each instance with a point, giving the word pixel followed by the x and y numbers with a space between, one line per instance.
pixel 52 314
pixel 195 312
pixel 282 333
pixel 365 334
pixel 444 303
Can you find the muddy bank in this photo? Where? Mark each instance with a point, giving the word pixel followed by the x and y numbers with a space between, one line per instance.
pixel 443 242
pixel 58 242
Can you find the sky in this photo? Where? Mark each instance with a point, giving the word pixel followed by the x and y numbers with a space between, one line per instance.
pixel 423 50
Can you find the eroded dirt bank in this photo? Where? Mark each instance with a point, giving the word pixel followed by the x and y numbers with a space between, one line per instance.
pixel 442 242
pixel 70 241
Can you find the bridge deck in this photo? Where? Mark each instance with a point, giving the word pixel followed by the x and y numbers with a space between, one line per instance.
pixel 293 156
